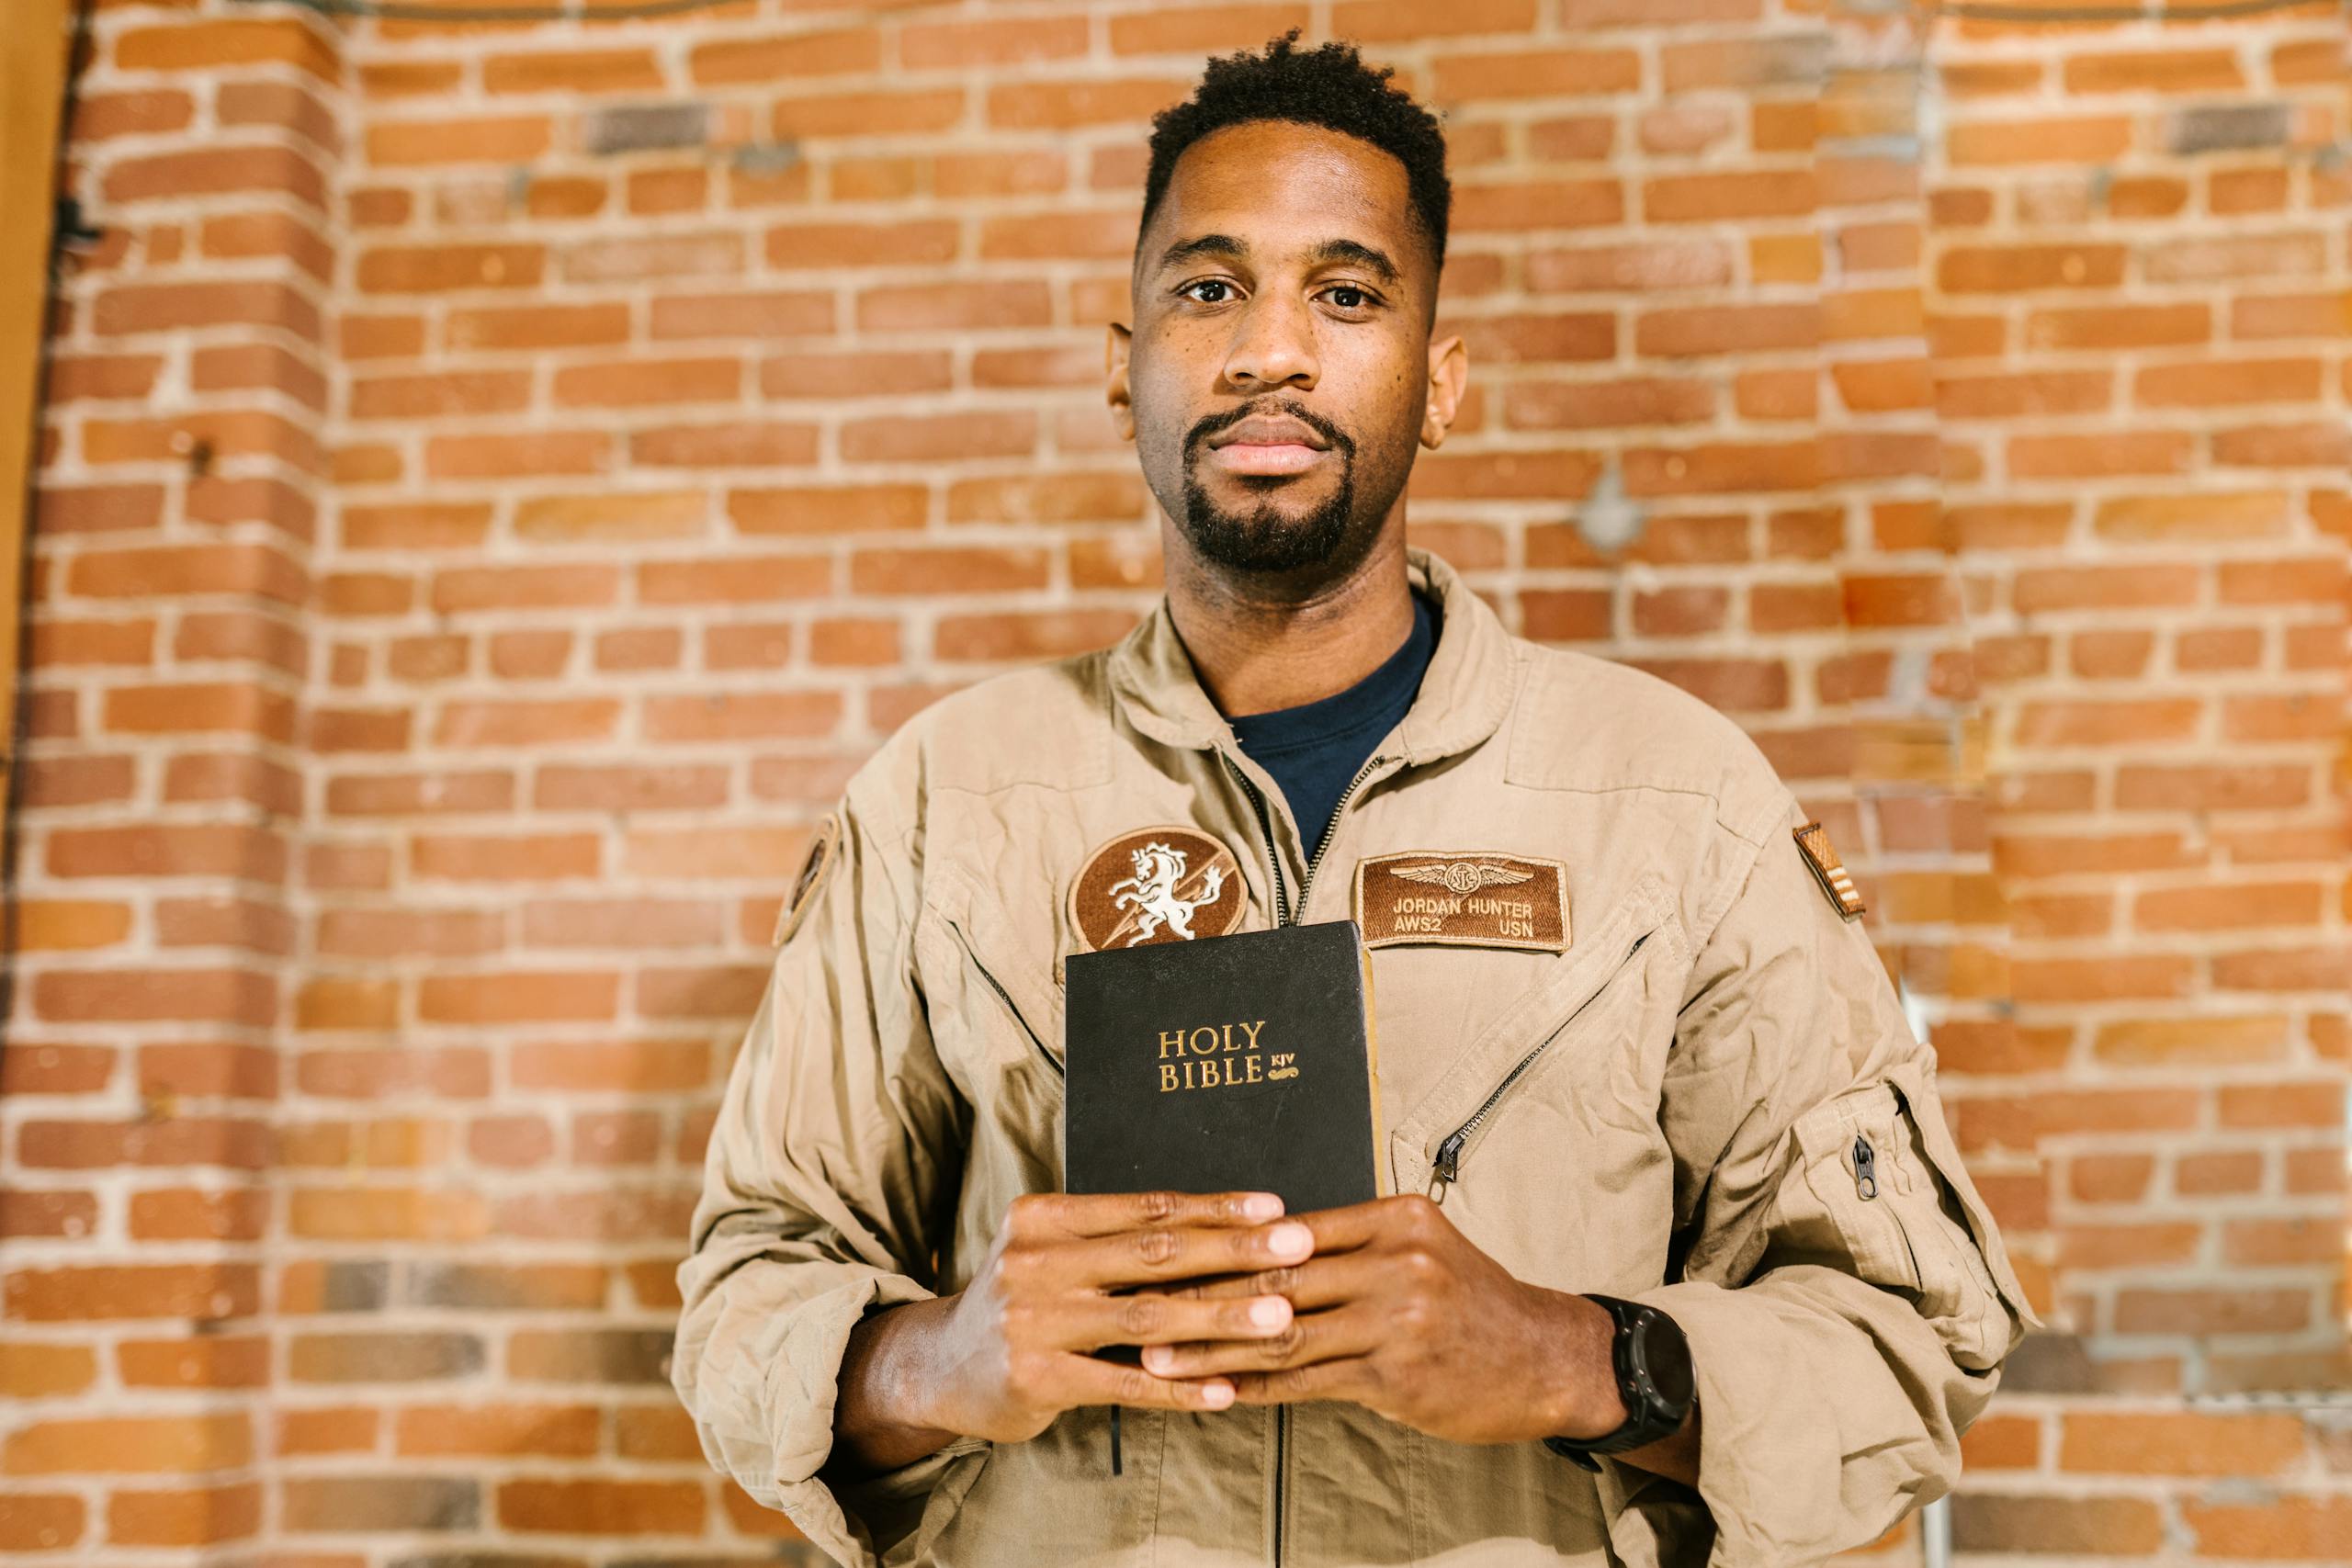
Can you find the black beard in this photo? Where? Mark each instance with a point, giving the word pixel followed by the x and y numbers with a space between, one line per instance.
pixel 1266 540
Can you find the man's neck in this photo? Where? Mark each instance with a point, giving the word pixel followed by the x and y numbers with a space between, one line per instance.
pixel 1256 652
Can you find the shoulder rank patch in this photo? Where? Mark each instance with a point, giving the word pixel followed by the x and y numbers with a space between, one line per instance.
pixel 1463 898
pixel 824 851
pixel 1169 883
pixel 1828 869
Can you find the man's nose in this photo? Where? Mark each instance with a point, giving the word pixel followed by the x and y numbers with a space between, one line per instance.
pixel 1272 342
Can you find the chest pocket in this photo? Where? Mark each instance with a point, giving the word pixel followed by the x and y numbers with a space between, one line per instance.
pixel 994 1003
pixel 1541 1141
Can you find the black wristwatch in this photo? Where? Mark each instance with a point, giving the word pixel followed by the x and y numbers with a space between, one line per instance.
pixel 1653 1362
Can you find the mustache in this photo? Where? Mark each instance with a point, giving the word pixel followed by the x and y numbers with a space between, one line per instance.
pixel 1316 423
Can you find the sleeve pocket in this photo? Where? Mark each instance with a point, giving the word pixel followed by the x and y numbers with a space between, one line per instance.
pixel 1885 1186
pixel 1959 1215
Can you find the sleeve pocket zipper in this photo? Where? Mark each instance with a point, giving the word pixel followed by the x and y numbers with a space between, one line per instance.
pixel 1868 1169
pixel 1447 1169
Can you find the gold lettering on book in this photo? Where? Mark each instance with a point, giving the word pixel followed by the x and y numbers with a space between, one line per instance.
pixel 1216 1056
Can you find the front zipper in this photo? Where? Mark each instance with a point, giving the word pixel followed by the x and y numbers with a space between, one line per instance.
pixel 1006 997
pixel 1281 1456
pixel 1266 829
pixel 1448 1167
pixel 1283 917
pixel 1330 828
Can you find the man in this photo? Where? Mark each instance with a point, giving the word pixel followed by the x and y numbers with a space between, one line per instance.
pixel 1681 1259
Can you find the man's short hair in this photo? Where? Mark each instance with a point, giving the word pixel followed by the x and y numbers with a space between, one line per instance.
pixel 1330 87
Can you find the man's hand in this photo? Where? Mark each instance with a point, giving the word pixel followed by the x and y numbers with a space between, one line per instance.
pixel 1006 1355
pixel 1398 1312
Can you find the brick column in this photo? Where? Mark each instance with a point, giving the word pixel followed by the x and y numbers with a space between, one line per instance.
pixel 158 921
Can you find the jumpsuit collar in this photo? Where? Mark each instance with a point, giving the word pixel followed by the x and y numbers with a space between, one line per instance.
pixel 1465 693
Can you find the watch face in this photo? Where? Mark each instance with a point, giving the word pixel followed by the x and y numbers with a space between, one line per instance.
pixel 1665 1356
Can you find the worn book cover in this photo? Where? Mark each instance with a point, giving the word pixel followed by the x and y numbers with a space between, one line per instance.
pixel 1240 1062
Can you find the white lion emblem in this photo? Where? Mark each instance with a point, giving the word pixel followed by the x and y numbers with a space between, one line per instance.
pixel 1151 892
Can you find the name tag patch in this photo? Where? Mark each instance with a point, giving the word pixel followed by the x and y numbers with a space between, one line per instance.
pixel 1463 898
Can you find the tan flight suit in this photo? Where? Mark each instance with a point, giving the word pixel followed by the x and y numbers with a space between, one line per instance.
pixel 1709 1101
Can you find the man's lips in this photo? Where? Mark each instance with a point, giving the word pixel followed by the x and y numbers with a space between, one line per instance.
pixel 1264 457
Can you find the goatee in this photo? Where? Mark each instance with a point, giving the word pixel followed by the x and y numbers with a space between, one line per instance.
pixel 1268 539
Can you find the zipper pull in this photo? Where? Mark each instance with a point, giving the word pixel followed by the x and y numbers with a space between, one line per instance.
pixel 1448 1167
pixel 1865 1168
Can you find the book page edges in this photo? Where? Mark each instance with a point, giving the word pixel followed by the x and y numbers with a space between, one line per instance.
pixel 1380 1183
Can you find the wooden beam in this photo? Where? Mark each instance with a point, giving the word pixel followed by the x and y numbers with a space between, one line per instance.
pixel 33 48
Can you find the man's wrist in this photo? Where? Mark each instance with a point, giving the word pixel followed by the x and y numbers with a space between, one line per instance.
pixel 881 1418
pixel 908 1339
pixel 1665 1383
pixel 1582 1402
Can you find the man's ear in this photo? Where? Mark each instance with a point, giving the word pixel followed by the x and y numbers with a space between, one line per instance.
pixel 1449 375
pixel 1114 381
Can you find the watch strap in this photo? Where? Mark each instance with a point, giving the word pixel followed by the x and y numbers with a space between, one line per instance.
pixel 1648 1417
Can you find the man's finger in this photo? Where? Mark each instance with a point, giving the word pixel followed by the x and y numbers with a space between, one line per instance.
pixel 1079 1214
pixel 1091 1322
pixel 1090 1382
pixel 1351 1379
pixel 1338 1335
pixel 1359 1225
pixel 1159 1254
pixel 1319 1282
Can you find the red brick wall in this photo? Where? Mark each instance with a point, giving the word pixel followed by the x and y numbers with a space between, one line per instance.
pixel 2137 278
pixel 499 480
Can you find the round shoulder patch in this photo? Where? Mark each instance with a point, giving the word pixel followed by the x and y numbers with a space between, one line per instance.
pixel 1168 883
pixel 824 850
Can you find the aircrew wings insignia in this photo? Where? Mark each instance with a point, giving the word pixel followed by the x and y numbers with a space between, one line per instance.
pixel 1461 875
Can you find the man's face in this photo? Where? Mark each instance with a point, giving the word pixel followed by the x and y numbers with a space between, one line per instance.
pixel 1279 373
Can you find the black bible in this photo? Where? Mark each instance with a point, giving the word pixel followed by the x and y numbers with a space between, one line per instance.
pixel 1240 1063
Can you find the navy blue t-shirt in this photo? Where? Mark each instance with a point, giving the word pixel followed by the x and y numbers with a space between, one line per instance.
pixel 1315 749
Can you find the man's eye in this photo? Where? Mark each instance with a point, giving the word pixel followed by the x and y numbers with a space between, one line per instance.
pixel 1344 296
